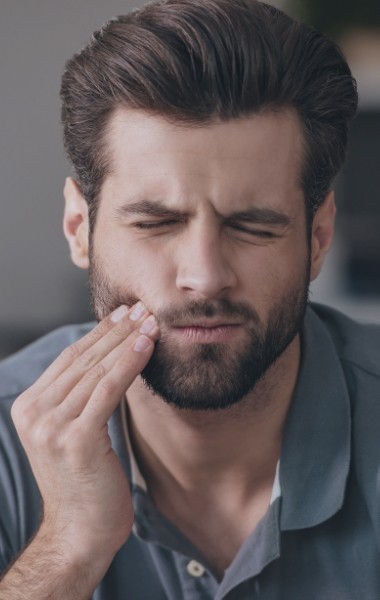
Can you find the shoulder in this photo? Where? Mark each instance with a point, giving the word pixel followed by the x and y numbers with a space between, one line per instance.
pixel 357 343
pixel 20 371
pixel 358 348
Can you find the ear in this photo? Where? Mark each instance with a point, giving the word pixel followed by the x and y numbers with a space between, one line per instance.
pixel 322 234
pixel 75 223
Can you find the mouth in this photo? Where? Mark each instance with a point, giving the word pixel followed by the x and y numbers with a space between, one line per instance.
pixel 208 331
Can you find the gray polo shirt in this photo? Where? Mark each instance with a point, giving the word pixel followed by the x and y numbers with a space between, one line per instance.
pixel 320 538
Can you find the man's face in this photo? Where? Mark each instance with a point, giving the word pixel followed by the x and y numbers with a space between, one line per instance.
pixel 206 225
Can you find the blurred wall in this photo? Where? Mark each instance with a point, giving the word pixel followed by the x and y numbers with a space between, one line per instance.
pixel 40 288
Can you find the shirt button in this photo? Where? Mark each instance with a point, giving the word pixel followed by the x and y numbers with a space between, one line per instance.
pixel 195 569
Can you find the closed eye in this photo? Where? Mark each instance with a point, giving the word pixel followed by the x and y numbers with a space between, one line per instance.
pixel 262 233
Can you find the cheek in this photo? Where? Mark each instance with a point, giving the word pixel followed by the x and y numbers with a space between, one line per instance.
pixel 139 271
pixel 271 273
pixel 279 263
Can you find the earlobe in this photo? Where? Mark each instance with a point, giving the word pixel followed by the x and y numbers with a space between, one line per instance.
pixel 322 234
pixel 75 223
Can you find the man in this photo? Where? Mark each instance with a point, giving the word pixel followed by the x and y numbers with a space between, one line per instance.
pixel 214 436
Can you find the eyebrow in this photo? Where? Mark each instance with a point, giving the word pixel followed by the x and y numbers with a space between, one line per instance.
pixel 261 216
pixel 148 208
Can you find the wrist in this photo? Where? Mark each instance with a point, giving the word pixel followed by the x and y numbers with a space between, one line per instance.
pixel 76 553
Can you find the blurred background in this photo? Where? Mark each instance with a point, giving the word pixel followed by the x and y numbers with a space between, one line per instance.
pixel 40 287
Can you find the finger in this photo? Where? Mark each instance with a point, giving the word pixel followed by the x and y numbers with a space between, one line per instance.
pixel 115 384
pixel 80 357
pixel 90 362
pixel 71 354
pixel 97 394
pixel 79 394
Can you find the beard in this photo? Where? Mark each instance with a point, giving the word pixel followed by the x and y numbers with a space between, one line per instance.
pixel 210 376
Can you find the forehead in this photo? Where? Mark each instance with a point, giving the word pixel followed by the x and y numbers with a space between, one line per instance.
pixel 258 156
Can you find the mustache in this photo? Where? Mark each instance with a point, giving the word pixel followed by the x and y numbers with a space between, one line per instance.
pixel 191 310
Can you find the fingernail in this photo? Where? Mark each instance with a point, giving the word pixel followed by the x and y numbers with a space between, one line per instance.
pixel 149 324
pixel 119 313
pixel 137 311
pixel 142 343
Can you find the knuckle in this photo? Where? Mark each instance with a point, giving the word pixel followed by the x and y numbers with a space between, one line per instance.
pixel 16 410
pixel 21 421
pixel 96 373
pixel 46 434
pixel 87 361
pixel 36 432
pixel 107 386
pixel 52 392
pixel 70 354
pixel 122 331
pixel 22 412
pixel 95 334
pixel 101 329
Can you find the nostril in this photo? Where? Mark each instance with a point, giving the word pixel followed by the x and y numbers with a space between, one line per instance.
pixel 208 282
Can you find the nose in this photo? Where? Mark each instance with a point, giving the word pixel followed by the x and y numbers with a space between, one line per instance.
pixel 203 266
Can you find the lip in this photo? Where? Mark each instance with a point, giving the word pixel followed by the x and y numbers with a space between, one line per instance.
pixel 207 332
pixel 207 323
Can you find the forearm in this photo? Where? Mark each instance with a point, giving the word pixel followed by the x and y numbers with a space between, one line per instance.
pixel 46 571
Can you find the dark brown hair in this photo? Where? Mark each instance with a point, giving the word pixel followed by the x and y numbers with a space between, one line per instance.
pixel 196 61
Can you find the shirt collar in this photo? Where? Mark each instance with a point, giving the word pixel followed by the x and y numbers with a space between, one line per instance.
pixel 315 455
pixel 136 476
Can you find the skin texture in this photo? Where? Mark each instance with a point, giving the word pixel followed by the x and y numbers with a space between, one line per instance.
pixel 199 254
pixel 189 370
pixel 189 222
pixel 62 423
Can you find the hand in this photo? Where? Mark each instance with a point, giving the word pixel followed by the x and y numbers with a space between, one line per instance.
pixel 62 424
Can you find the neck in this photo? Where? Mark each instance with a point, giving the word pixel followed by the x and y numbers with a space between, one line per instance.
pixel 236 448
